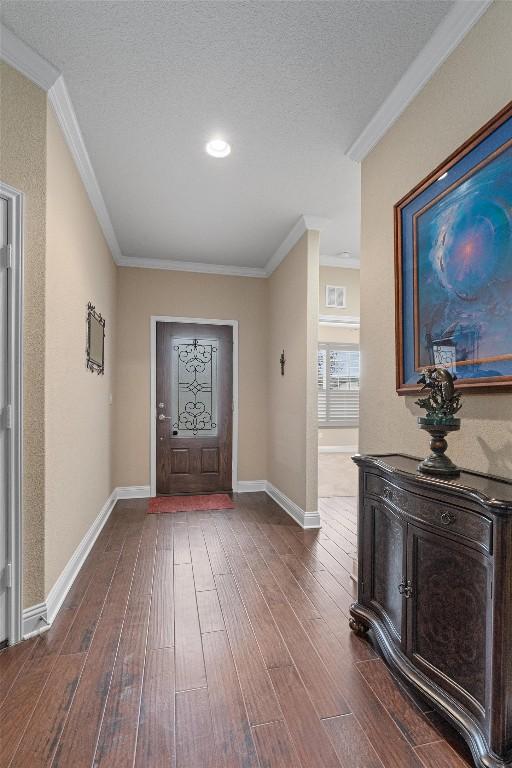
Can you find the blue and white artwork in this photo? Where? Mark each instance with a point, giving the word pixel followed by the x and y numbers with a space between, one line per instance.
pixel 457 267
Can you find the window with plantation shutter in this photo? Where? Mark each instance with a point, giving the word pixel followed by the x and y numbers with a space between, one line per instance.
pixel 338 385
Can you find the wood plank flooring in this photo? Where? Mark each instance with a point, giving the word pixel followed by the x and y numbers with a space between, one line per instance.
pixel 214 640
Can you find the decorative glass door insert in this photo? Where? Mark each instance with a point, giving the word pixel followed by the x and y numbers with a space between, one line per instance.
pixel 194 393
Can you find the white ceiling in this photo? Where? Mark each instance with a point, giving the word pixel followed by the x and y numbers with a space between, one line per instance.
pixel 289 84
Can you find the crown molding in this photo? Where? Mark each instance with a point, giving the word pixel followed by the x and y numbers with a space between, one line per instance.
pixel 59 99
pixel 302 225
pixel 231 270
pixel 450 32
pixel 23 58
pixel 315 222
pixel 336 261
pixel 19 55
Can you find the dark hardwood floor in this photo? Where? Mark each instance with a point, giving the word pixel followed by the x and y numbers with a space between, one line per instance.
pixel 214 640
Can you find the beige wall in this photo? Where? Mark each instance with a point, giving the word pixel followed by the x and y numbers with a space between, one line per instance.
pixel 349 278
pixel 66 263
pixel 292 398
pixel 338 335
pixel 342 436
pixel 23 166
pixel 472 85
pixel 146 292
pixel 311 293
pixel 79 269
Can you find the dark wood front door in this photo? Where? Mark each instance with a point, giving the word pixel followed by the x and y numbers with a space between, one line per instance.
pixel 194 408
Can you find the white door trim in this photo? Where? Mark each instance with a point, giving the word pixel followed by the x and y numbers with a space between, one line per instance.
pixel 152 410
pixel 15 397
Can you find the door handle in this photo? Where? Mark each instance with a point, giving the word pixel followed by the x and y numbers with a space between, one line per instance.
pixel 161 417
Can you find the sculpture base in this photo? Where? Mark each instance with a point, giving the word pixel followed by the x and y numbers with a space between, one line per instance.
pixel 441 466
pixel 438 463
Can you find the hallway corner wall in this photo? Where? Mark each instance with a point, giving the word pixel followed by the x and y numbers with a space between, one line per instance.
pixel 23 166
pixel 292 414
pixel 472 85
pixel 78 414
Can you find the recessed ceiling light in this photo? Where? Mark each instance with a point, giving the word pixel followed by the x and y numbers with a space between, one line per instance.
pixel 218 148
pixel 443 176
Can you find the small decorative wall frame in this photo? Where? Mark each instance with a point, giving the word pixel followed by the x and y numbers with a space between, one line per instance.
pixel 95 348
pixel 453 258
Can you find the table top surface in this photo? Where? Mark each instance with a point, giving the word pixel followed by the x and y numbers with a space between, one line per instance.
pixel 489 488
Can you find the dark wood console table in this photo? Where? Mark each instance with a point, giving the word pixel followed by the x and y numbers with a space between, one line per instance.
pixel 435 586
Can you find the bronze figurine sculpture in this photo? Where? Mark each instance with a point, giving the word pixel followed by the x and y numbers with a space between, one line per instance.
pixel 441 404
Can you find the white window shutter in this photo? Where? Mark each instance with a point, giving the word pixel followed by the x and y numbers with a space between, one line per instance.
pixel 338 385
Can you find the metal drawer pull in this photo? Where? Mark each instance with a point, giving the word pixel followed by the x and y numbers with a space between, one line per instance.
pixel 447 518
pixel 161 417
pixel 388 494
pixel 405 588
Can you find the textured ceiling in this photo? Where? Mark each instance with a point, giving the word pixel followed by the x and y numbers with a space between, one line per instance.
pixel 289 84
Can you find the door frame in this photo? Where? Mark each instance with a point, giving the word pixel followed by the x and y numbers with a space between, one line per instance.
pixel 15 400
pixel 152 410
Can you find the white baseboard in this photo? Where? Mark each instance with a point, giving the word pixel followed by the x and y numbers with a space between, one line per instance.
pixel 133 492
pixel 63 584
pixel 337 449
pixel 38 618
pixel 34 620
pixel 250 486
pixel 304 519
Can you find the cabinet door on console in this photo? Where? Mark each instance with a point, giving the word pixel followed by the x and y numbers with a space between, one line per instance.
pixel 387 533
pixel 447 615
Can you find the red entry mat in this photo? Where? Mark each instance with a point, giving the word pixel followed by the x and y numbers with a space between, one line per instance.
pixel 189 503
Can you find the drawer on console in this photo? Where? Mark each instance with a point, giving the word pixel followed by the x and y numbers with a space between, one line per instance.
pixel 461 522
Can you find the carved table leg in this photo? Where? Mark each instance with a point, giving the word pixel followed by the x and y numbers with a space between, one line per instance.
pixel 357 626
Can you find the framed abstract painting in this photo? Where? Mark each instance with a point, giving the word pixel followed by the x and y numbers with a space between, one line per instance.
pixel 453 261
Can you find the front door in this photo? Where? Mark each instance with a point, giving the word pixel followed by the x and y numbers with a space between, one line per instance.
pixel 194 407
